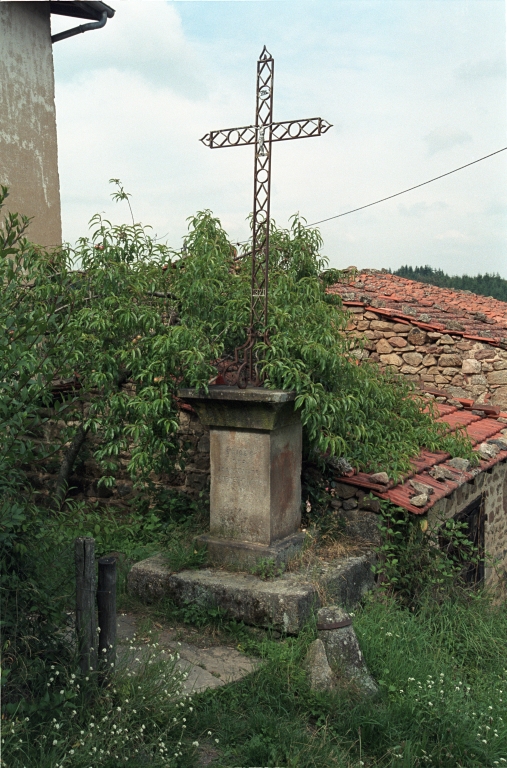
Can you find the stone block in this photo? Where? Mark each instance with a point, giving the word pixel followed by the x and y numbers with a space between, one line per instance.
pixel 429 360
pixel 344 491
pixel 450 361
pixel 417 337
pixel 477 390
pixel 398 341
pixel 391 359
pixel 458 391
pixel 316 666
pixel 342 649
pixel 412 358
pixel 401 328
pixel 372 505
pixel 348 581
pixel 478 379
pixel 286 602
pixel 361 524
pixel 409 369
pixel 471 366
pixel 201 461
pixel 497 377
pixel 489 353
pixel 383 347
pixel 197 481
pixel 446 339
pixel 381 325
pixel 500 397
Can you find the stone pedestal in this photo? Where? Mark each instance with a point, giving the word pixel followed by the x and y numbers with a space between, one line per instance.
pixel 255 453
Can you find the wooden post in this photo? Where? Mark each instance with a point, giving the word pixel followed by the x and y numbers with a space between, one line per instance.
pixel 86 622
pixel 106 601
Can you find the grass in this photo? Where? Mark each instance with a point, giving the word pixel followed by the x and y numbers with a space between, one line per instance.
pixel 138 718
pixel 442 676
pixel 441 669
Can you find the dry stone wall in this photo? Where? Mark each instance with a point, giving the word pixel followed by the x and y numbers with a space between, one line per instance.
pixel 492 484
pixel 460 367
pixel 190 475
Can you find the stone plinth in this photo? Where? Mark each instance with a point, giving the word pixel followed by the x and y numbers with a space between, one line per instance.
pixel 255 457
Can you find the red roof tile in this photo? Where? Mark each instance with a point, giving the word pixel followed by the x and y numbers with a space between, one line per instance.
pixel 477 318
pixel 479 428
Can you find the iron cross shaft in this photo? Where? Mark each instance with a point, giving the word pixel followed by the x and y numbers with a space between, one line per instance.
pixel 243 369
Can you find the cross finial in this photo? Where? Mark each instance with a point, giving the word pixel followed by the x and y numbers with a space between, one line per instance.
pixel 243 368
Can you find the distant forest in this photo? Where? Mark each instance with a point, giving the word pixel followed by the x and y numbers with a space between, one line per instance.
pixel 484 285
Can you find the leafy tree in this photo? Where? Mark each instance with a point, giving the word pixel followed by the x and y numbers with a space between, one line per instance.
pixel 122 322
pixel 484 285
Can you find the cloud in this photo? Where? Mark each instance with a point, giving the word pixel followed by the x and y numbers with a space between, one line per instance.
pixel 146 39
pixel 440 139
pixel 419 209
pixel 451 234
pixel 134 98
pixel 478 70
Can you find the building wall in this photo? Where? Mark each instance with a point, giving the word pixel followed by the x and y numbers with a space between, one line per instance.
pixel 28 148
pixel 460 367
pixel 493 485
pixel 191 474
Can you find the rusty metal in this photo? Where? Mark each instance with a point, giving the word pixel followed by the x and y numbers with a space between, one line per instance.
pixel 335 625
pixel 245 136
pixel 243 368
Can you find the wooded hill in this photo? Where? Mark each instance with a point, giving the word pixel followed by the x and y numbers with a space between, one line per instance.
pixel 484 285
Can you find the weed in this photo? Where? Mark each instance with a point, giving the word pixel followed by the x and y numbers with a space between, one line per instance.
pixel 180 554
pixel 267 568
pixel 139 719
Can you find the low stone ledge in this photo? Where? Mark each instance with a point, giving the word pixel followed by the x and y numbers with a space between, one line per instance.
pixel 285 603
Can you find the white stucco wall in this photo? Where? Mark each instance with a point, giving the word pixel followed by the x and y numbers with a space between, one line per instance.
pixel 28 147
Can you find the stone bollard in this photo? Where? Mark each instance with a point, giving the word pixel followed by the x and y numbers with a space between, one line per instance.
pixel 336 655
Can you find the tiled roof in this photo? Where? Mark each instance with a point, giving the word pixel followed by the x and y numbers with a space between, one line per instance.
pixel 481 426
pixel 461 313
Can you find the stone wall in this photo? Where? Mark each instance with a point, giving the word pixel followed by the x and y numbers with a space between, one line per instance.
pixel 460 367
pixel 493 486
pixel 190 475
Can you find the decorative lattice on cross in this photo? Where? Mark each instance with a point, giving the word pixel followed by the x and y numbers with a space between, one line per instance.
pixel 242 370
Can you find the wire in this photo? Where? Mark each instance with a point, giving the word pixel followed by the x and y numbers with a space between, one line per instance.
pixel 406 190
pixel 390 197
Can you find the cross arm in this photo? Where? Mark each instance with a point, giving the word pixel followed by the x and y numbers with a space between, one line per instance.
pixel 285 131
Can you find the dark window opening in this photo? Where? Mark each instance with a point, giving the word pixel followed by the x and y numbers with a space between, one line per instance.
pixel 470 553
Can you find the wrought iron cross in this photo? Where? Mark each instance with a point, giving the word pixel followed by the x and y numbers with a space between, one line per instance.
pixel 242 370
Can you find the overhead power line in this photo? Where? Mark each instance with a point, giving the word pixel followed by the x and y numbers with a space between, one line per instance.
pixel 397 194
pixel 389 197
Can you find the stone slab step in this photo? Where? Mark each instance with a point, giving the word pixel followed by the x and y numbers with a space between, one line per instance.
pixel 204 667
pixel 284 603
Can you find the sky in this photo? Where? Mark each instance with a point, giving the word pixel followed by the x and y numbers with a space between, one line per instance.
pixel 413 88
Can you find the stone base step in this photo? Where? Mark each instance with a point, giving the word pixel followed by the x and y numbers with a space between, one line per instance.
pixel 284 603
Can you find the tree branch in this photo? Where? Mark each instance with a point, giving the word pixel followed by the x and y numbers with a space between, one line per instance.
pixel 62 481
